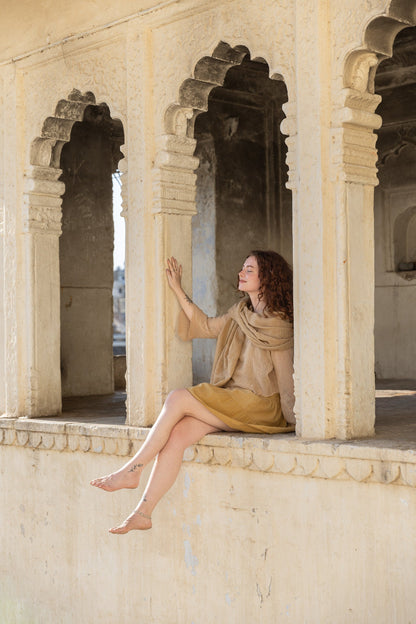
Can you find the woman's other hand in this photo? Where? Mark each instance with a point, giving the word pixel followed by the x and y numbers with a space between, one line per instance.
pixel 174 274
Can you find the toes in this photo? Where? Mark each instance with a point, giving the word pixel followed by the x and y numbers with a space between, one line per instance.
pixel 130 525
pixel 118 530
pixel 97 482
pixel 101 482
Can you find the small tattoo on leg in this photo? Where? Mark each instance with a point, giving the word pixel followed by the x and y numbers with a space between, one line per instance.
pixel 134 468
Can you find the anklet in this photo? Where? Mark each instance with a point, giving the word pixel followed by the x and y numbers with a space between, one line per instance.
pixel 140 513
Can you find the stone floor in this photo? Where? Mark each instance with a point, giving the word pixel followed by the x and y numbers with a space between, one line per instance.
pixel 395 412
pixel 109 409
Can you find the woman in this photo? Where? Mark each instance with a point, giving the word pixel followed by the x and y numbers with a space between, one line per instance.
pixel 251 386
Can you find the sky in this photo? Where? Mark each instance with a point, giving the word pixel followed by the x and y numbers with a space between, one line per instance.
pixel 119 227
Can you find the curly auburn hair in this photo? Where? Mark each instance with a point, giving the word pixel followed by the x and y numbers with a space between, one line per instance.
pixel 276 282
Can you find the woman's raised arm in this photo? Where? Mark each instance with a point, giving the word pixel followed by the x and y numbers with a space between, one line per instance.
pixel 174 276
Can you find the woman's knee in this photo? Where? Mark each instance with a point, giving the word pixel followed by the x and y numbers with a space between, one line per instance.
pixel 181 435
pixel 188 431
pixel 176 397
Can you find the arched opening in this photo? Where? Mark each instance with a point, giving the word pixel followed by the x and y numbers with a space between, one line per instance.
pixel 366 84
pixel 395 217
pixel 404 242
pixel 88 162
pixel 241 198
pixel 180 190
pixel 68 240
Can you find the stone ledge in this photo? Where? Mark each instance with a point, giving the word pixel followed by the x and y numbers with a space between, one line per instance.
pixel 369 461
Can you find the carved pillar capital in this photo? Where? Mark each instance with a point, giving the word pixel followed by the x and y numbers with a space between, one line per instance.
pixel 354 153
pixel 42 201
pixel 173 176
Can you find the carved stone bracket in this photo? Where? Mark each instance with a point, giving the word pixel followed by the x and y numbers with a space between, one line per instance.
pixel 42 201
pixel 354 153
pixel 173 176
pixel 283 455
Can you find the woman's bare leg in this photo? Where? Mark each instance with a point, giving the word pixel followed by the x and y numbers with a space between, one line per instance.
pixel 188 431
pixel 178 404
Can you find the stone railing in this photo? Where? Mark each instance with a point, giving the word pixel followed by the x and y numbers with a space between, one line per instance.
pixel 370 460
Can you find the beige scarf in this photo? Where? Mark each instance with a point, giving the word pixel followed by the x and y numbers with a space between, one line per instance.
pixel 265 332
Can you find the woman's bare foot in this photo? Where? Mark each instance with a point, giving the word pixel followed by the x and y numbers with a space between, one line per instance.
pixel 126 477
pixel 136 521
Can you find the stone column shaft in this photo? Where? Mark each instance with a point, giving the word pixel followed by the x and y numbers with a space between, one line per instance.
pixel 173 208
pixel 333 244
pixel 42 228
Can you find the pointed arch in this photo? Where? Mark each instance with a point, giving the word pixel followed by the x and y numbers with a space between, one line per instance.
pixel 41 228
pixel 177 145
pixel 174 187
pixel 378 39
pixel 354 158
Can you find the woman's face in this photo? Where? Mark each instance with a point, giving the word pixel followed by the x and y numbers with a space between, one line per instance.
pixel 248 277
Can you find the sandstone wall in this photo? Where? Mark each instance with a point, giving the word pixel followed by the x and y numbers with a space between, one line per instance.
pixel 251 532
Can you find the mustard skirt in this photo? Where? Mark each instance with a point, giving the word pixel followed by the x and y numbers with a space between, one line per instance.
pixel 243 410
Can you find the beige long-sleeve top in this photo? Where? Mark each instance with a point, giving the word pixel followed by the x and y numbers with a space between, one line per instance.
pixel 260 370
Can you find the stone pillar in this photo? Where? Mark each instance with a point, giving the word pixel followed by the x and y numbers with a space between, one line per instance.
pixel 173 208
pixel 41 229
pixel 354 177
pixel 2 320
pixel 331 178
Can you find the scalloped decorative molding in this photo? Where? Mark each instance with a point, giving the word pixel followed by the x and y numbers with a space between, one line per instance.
pixel 43 191
pixel 173 177
pixel 284 455
pixel 354 153
pixel 41 225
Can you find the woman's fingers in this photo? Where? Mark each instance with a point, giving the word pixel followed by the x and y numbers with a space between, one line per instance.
pixel 174 266
pixel 173 271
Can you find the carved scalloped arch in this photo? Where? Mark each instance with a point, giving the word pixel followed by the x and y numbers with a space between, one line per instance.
pixel 379 36
pixel 56 131
pixel 209 72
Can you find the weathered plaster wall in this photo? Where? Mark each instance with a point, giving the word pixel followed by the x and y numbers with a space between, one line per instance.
pixel 235 540
pixel 48 22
